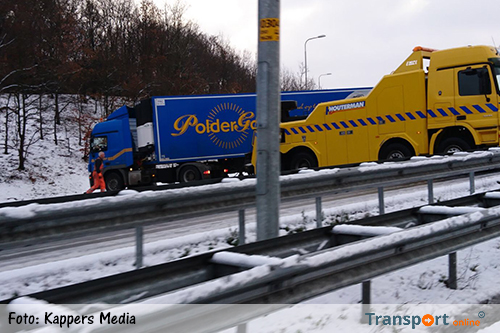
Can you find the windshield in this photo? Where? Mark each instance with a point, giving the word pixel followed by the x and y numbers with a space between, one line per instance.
pixel 497 75
pixel 98 143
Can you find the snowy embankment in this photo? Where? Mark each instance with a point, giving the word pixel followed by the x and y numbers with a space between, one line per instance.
pixel 477 265
pixel 50 171
pixel 54 153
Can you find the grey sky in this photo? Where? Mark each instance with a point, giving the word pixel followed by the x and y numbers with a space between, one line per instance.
pixel 366 39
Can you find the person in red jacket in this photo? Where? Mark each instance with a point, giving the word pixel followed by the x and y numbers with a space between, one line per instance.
pixel 97 174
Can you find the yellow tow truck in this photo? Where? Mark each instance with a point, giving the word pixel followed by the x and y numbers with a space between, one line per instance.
pixel 435 102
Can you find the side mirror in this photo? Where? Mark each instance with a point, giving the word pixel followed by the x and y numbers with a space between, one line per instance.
pixel 286 107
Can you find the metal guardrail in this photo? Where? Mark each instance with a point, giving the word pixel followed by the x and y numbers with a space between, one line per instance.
pixel 307 276
pixel 294 279
pixel 19 225
pixel 300 278
pixel 159 279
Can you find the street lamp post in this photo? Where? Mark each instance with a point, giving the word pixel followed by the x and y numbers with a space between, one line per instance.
pixel 305 55
pixel 319 79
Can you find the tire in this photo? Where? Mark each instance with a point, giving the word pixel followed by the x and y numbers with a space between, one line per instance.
pixel 303 159
pixel 395 151
pixel 189 173
pixel 114 182
pixel 453 145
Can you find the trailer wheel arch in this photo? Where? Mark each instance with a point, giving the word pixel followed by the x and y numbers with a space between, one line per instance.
pixel 396 148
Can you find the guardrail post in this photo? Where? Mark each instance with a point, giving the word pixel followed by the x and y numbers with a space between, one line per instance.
pixel 242 328
pixel 138 247
pixel 319 213
pixel 430 191
pixel 472 185
pixel 381 203
pixel 241 227
pixel 452 270
pixel 365 300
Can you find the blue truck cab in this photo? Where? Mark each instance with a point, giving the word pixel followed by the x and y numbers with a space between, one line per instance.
pixel 114 138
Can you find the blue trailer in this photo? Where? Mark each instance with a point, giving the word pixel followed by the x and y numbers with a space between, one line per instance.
pixel 185 138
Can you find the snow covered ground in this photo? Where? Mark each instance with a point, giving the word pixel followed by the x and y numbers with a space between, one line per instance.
pixel 50 169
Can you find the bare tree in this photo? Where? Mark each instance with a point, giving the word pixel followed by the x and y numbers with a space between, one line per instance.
pixel 58 109
pixel 24 110
pixel 290 81
pixel 7 110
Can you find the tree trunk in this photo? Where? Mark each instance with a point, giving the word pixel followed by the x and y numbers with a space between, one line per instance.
pixel 80 111
pixel 106 105
pixel 40 116
pixel 21 127
pixel 7 113
pixel 57 119
pixel 57 114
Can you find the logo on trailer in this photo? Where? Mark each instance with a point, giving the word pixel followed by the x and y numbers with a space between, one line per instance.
pixel 238 124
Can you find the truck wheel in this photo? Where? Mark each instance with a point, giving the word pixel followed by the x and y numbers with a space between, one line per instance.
pixel 303 159
pixel 395 151
pixel 114 182
pixel 452 145
pixel 189 173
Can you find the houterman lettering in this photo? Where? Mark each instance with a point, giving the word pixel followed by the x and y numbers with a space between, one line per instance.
pixel 349 106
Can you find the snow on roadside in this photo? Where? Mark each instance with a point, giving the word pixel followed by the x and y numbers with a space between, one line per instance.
pixel 58 273
pixel 413 284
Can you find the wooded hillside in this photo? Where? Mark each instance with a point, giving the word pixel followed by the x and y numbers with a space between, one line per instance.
pixel 113 48
pixel 59 58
